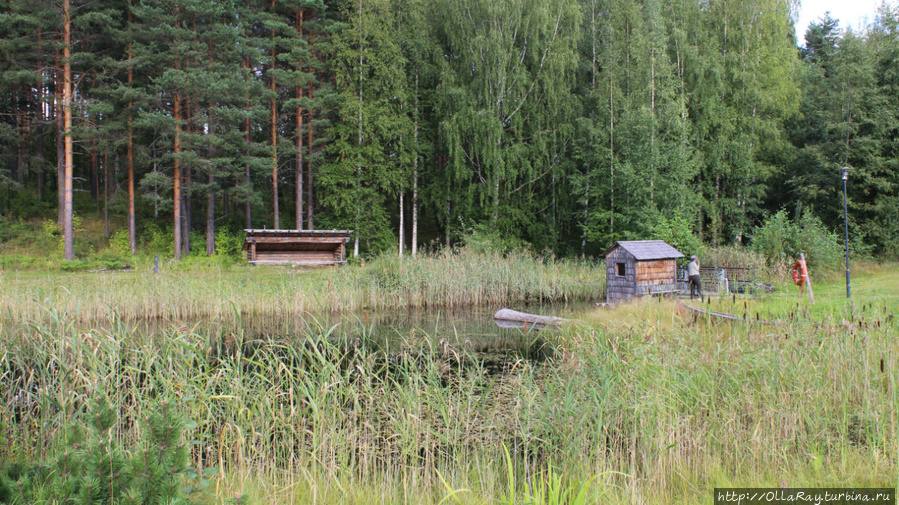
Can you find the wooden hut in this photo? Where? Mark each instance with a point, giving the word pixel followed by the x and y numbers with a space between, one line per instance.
pixel 635 268
pixel 297 247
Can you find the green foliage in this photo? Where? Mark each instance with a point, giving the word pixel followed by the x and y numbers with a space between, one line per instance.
pixel 156 240
pixel 781 240
pixel 91 468
pixel 677 231
pixel 27 236
pixel 482 240
pixel 228 244
pixel 119 243
pixel 561 125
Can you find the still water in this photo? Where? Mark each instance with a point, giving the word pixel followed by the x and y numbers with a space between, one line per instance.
pixel 470 331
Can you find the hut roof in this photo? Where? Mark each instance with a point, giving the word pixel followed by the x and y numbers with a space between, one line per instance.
pixel 646 249
pixel 298 233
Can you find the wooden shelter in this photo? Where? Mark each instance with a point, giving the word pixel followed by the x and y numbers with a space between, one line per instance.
pixel 297 247
pixel 635 268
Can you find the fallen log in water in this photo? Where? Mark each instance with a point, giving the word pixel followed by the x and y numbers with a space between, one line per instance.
pixel 508 318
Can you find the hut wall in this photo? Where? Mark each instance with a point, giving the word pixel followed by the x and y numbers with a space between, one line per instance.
pixel 299 257
pixel 620 287
pixel 657 276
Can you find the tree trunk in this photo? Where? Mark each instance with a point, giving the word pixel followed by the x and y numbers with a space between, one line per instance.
pixel 415 177
pixel 68 230
pixel 611 152
pixel 129 159
pixel 359 164
pixel 248 211
pixel 176 175
pixel 187 174
pixel 185 210
pixel 402 225
pixel 60 148
pixel 95 174
pixel 274 121
pixel 210 216
pixel 106 195
pixel 300 176
pixel 210 194
pixel 310 214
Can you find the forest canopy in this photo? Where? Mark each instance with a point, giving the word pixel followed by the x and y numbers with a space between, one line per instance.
pixel 556 125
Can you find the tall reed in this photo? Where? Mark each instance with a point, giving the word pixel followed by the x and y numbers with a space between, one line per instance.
pixel 636 406
pixel 448 279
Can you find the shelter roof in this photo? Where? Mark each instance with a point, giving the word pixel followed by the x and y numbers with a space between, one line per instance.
pixel 646 249
pixel 299 233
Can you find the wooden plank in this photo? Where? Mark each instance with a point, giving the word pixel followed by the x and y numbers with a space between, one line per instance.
pixel 297 240
pixel 297 263
pixel 294 254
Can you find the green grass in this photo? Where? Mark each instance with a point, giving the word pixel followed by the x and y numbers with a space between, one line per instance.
pixel 875 297
pixel 636 406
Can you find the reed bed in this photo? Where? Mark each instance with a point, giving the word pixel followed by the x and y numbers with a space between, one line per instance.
pixel 448 280
pixel 635 406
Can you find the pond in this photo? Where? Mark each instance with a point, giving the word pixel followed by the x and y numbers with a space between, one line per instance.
pixel 470 332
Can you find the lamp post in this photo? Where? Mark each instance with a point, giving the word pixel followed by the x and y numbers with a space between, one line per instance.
pixel 845 176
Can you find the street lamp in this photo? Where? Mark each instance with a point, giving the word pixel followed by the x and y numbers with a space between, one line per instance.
pixel 845 176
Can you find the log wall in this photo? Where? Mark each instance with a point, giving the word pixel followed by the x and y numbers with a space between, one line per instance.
pixel 316 253
pixel 297 257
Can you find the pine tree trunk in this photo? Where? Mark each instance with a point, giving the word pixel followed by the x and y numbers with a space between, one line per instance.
pixel 129 159
pixel 95 175
pixel 652 128
pixel 106 195
pixel 176 175
pixel 359 165
pixel 310 202
pixel 402 225
pixel 611 152
pixel 300 176
pixel 185 210
pixel 210 195
pixel 21 165
pixel 186 174
pixel 60 147
pixel 68 230
pixel 274 122
pixel 210 216
pixel 415 177
pixel 248 211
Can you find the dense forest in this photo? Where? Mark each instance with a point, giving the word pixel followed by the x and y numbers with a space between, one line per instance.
pixel 558 125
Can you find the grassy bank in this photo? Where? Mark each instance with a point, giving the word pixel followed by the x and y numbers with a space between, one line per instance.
pixel 636 406
pixel 450 279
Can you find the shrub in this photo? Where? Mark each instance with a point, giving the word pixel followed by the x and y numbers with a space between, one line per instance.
pixel 156 240
pixel 92 468
pixel 482 240
pixel 677 232
pixel 228 244
pixel 781 240
pixel 119 243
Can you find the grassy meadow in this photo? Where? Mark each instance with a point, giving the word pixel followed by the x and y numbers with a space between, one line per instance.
pixel 636 404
